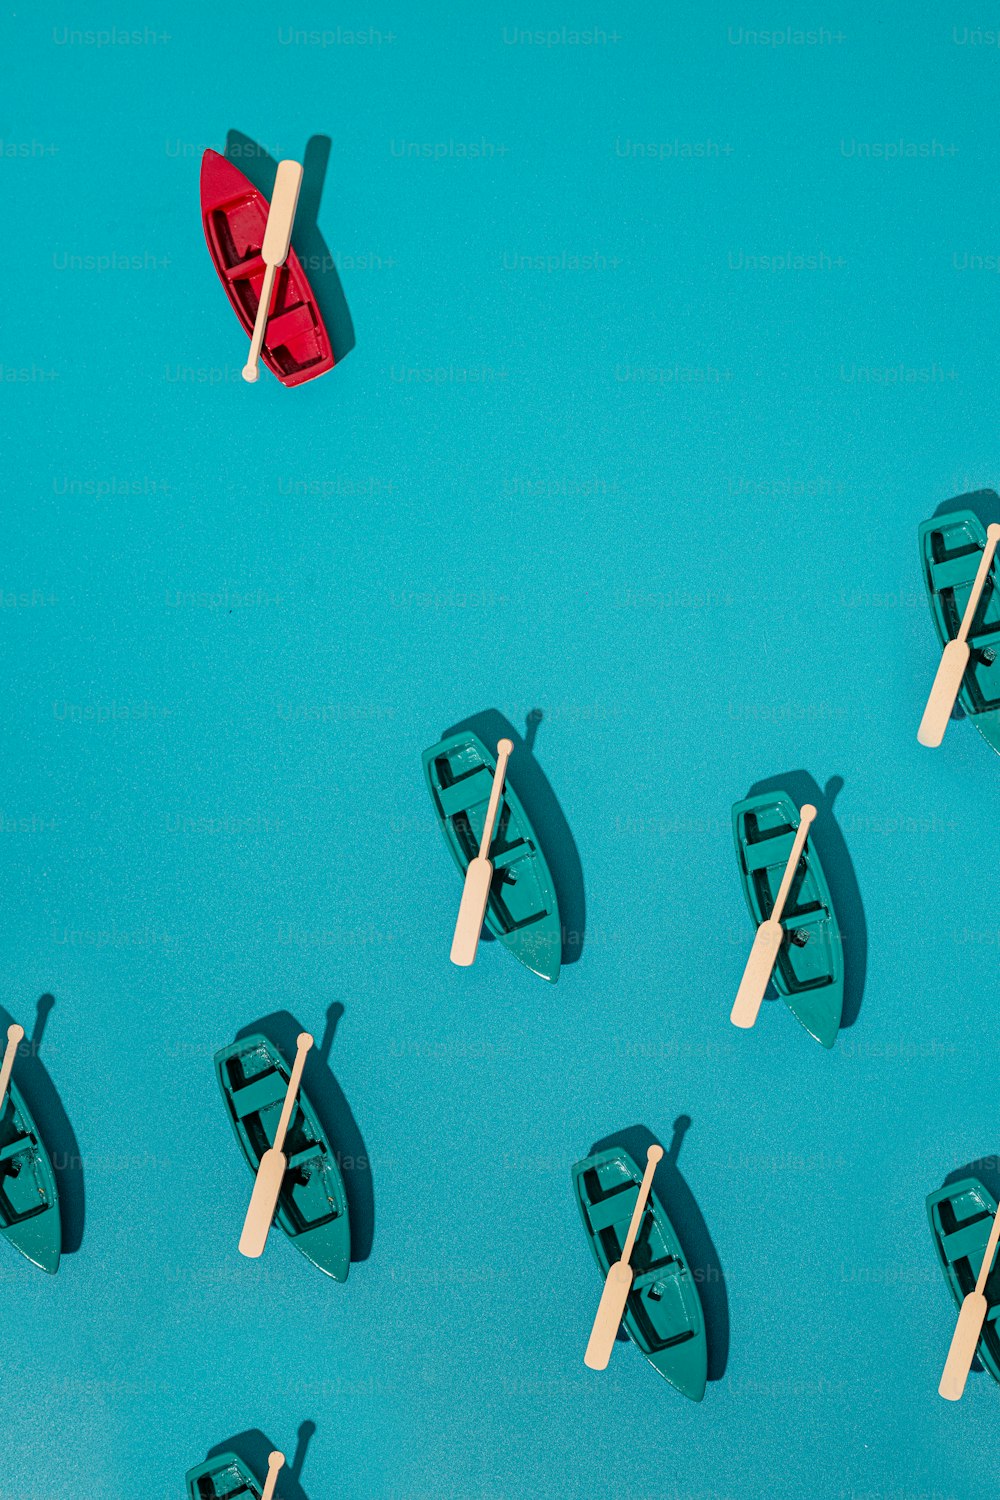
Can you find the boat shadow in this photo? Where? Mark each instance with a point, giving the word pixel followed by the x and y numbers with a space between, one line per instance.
pixel 335 1116
pixel 317 262
pixel 682 1209
pixel 987 1170
pixel 254 1448
pixel 545 815
pixel 43 1101
pixel 986 505
pixel 831 846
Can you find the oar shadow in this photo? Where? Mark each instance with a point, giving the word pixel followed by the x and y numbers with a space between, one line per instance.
pixel 310 246
pixel 682 1209
pixel 545 815
pixel 834 856
pixel 42 1098
pixel 985 504
pixel 987 1170
pixel 334 1114
pixel 254 1448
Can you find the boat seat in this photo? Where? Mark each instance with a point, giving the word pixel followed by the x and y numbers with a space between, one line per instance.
pixel 259 1094
pixel 466 793
pixel 769 851
pixel 246 270
pixel 967 1243
pixel 953 572
pixel 510 856
pixel 794 920
pixel 669 1272
pixel 300 1158
pixel 616 1208
pixel 14 1148
pixel 285 326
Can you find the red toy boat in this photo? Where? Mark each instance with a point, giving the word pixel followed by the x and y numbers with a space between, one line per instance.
pixel 296 344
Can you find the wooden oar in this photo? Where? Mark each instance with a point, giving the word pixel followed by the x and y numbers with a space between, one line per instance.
pixel 766 944
pixel 971 1318
pixel 476 891
pixel 275 1462
pixel 273 1164
pixel 274 251
pixel 619 1279
pixel 15 1036
pixel 955 656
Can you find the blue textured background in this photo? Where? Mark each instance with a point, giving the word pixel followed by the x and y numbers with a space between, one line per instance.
pixel 587 456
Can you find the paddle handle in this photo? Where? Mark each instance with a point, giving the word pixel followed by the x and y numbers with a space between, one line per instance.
pixel 504 748
pixel 15 1036
pixel 985 562
pixel 653 1155
pixel 806 815
pixel 302 1045
pixel 260 324
pixel 276 1461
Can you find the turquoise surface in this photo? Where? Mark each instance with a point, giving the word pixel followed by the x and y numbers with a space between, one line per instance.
pixel 664 347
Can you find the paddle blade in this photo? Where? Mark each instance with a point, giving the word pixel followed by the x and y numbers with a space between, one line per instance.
pixel 951 670
pixel 963 1347
pixel 757 974
pixel 263 1203
pixel 609 1316
pixel 284 201
pixel 471 912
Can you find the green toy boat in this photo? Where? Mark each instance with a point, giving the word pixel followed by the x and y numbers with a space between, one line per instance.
pixel 522 910
pixel 809 972
pixel 663 1315
pixel 961 1216
pixel 950 549
pixel 224 1477
pixel 29 1199
pixel 312 1206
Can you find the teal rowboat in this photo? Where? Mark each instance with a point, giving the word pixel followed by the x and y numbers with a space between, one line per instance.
pixel 663 1315
pixel 224 1477
pixel 809 973
pixel 312 1206
pixel 961 1216
pixel 950 549
pixel 522 910
pixel 29 1199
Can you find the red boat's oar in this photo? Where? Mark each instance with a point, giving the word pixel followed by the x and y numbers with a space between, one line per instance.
pixel 277 241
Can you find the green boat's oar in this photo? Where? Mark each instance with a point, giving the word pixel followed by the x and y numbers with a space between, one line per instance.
pixel 273 1164
pixel 955 656
pixel 15 1036
pixel 971 1317
pixel 476 891
pixel 619 1278
pixel 275 1461
pixel 763 954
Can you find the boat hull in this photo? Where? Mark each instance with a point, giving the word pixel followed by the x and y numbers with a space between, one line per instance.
pixel 29 1198
pixel 950 550
pixel 234 213
pixel 961 1216
pixel 223 1477
pixel 809 971
pixel 522 911
pixel 663 1314
pixel 312 1205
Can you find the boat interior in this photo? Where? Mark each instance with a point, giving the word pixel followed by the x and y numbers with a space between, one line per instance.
pixel 294 339
pixel 965 1221
pixel 310 1194
pixel 659 1301
pixel 806 960
pixel 955 551
pixel 462 787
pixel 23 1186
